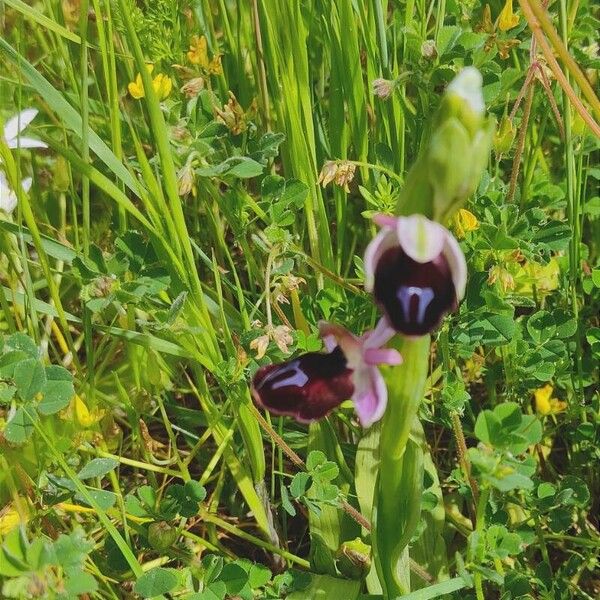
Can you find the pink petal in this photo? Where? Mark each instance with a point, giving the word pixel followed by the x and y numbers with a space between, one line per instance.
pixel 382 356
pixel 422 239
pixel 351 345
pixel 385 239
pixel 15 125
pixel 370 395
pixel 458 265
pixel 383 220
pixel 379 336
pixel 330 342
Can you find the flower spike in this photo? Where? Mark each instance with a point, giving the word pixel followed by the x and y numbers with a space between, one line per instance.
pixel 310 386
pixel 417 272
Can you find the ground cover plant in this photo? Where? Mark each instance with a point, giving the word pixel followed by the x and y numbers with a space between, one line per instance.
pixel 299 299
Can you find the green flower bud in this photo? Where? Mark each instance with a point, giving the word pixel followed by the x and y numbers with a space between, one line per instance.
pixel 504 136
pixel 161 535
pixel 354 558
pixel 450 165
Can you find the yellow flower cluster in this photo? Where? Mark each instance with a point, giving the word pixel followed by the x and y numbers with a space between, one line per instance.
pixel 198 55
pixel 464 221
pixel 507 19
pixel 162 85
pixel 545 404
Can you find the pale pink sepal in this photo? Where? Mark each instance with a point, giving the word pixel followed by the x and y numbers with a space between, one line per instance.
pixel 363 357
pixel 384 240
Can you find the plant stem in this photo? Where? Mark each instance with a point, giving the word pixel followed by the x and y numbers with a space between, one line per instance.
pixel 514 176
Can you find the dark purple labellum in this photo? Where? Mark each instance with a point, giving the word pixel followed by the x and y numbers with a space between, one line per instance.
pixel 415 296
pixel 307 387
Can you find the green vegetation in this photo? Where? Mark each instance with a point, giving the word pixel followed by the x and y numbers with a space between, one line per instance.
pixel 194 194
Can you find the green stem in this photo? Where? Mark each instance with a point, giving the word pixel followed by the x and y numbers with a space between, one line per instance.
pixel 480 549
pixel 397 502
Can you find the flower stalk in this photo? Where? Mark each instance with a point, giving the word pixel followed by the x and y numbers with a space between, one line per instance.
pixel 443 177
pixel 399 487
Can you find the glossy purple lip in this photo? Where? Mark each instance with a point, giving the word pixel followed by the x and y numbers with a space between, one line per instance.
pixel 415 296
pixel 307 388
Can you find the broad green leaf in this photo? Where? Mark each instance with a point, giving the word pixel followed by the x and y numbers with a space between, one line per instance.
pixel 57 392
pixel 99 499
pixel 487 427
pixel 22 342
pixel 30 378
pixel 20 427
pixel 156 582
pixel 97 467
pixel 234 577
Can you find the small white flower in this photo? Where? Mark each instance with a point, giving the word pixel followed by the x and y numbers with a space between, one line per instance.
pixel 8 198
pixel 14 127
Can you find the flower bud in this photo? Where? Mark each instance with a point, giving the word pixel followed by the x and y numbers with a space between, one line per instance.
pixel 450 166
pixel 383 88
pixel 504 136
pixel 161 535
pixel 429 50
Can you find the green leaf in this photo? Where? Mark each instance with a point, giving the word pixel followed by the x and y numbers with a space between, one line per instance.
pixel 155 582
pixel 285 501
pixel 487 427
pixel 541 326
pixel 20 427
pixel 215 591
pixel 103 499
pixel 195 490
pixel 9 362
pixel 7 392
pixel 300 484
pixel 97 467
pixel 258 576
pixel 30 378
pixel 80 583
pixel 314 459
pixel 22 342
pixel 234 577
pixel 57 392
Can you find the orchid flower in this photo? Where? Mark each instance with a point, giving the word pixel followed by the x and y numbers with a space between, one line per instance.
pixel 417 272
pixel 311 385
pixel 14 127
pixel 8 198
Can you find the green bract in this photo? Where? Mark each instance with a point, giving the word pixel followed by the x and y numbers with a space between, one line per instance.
pixel 450 164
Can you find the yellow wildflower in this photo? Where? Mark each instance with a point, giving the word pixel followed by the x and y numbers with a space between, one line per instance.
pixel 10 518
pixel 162 85
pixel 545 404
pixel 215 67
pixel 84 416
pixel 198 53
pixel 507 19
pixel 465 221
